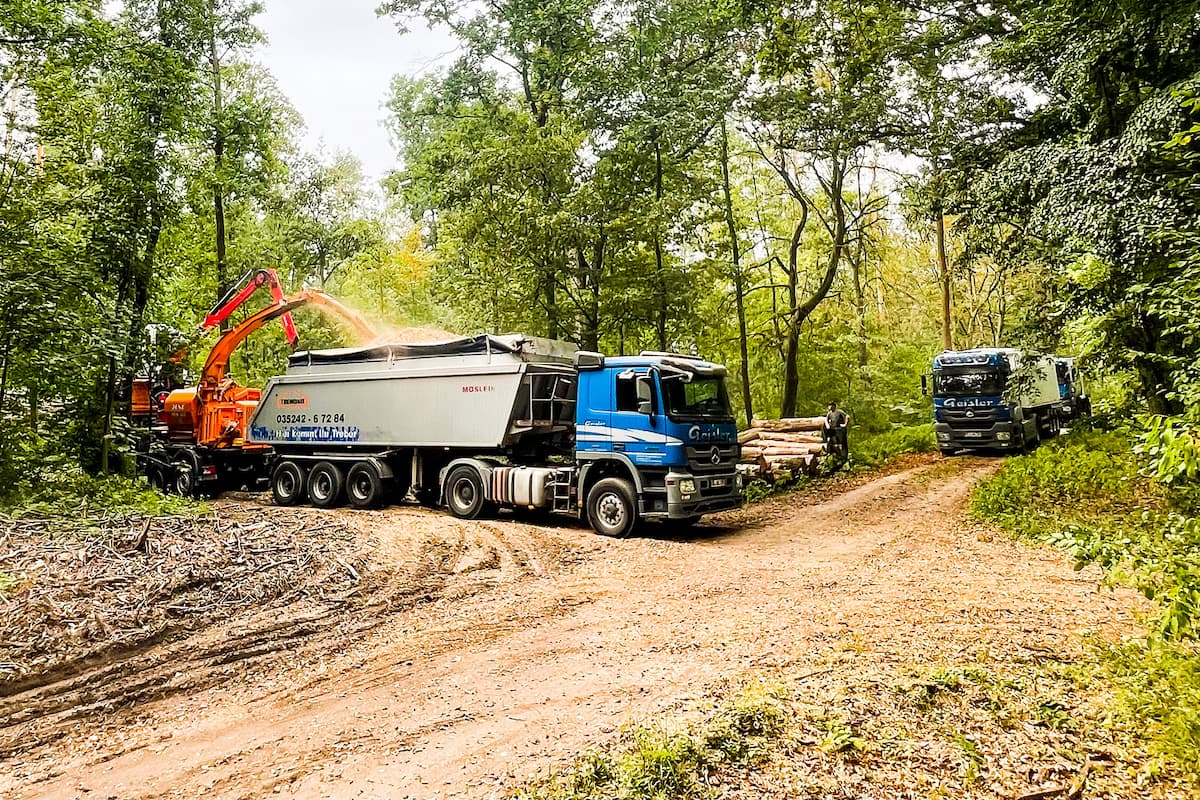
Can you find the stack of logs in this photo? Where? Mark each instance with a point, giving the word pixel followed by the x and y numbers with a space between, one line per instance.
pixel 776 446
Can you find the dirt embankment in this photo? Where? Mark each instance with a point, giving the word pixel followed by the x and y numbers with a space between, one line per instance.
pixel 527 643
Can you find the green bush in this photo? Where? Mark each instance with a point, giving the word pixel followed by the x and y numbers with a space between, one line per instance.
pixel 1158 684
pixel 656 764
pixel 1063 482
pixel 1087 493
pixel 871 451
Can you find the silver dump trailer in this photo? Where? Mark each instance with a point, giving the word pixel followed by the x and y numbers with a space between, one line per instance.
pixel 387 420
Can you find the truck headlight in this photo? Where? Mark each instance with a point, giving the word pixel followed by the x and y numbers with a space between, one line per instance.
pixel 687 486
pixel 1003 436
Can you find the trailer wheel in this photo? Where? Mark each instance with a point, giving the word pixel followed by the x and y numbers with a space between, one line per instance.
pixel 464 493
pixel 325 485
pixel 611 508
pixel 364 487
pixel 287 483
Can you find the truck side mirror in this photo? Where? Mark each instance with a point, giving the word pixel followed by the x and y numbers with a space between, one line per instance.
pixel 924 385
pixel 645 395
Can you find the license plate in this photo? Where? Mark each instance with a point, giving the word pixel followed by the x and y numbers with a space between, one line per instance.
pixel 717 483
pixel 974 435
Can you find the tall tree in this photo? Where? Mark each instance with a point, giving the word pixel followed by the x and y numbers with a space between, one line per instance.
pixel 1085 184
pixel 229 31
pixel 823 97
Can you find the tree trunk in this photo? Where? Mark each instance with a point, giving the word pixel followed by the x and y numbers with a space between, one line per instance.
pixel 791 376
pixel 109 399
pixel 663 299
pixel 4 375
pixel 801 313
pixel 218 132
pixel 739 286
pixel 860 305
pixel 944 276
pixel 550 298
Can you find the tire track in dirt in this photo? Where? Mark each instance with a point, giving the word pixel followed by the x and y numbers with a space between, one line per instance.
pixel 513 662
pixel 441 556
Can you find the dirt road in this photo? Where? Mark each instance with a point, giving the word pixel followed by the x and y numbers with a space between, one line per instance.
pixel 538 641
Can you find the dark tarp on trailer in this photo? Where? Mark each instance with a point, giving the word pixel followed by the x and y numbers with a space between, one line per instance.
pixel 469 345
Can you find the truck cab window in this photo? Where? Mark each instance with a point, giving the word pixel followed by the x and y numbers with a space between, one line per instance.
pixel 627 393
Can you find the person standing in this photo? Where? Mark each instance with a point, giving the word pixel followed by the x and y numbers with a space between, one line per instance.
pixel 837 424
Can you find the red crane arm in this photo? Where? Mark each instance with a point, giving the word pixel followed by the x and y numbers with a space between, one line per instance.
pixel 241 292
pixel 217 363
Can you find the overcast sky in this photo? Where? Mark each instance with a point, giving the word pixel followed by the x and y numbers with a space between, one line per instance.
pixel 334 59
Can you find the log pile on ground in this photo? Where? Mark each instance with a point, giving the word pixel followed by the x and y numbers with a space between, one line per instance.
pixel 783 448
pixel 70 590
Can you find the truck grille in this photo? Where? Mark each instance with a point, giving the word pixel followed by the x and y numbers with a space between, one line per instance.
pixel 980 420
pixel 700 459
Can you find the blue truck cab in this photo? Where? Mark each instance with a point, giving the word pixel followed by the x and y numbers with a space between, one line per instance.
pixel 661 423
pixel 979 404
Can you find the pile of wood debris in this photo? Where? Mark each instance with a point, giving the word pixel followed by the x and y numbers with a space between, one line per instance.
pixel 75 589
pixel 782 448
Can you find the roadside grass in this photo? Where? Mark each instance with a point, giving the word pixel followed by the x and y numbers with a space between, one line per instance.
pixel 872 450
pixel 76 496
pixel 868 726
pixel 1086 493
pixel 675 760
pixel 9 582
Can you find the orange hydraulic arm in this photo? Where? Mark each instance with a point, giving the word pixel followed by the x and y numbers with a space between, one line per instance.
pixel 217 363
pixel 215 412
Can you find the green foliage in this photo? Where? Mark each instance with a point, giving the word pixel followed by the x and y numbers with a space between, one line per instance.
pixel 8 583
pixel 654 764
pixel 1067 480
pixel 970 758
pixel 1172 446
pixel 840 736
pixel 1158 684
pixel 66 492
pixel 1085 494
pixel 1093 194
pixel 871 451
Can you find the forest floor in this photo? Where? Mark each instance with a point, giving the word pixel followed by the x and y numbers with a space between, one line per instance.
pixel 408 654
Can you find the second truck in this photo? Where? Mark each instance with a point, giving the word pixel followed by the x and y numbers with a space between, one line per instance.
pixel 486 422
pixel 1003 398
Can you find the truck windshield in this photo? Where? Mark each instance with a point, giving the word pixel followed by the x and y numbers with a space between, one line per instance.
pixel 702 398
pixel 968 383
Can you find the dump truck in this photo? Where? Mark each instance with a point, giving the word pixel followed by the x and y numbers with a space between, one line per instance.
pixel 1002 398
pixel 487 422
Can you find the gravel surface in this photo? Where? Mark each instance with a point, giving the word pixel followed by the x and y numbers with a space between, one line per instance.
pixel 515 646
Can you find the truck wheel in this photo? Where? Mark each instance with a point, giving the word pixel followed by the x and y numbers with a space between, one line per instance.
pixel 464 493
pixel 185 478
pixel 325 485
pixel 1030 444
pixel 155 479
pixel 287 483
pixel 611 508
pixel 364 487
